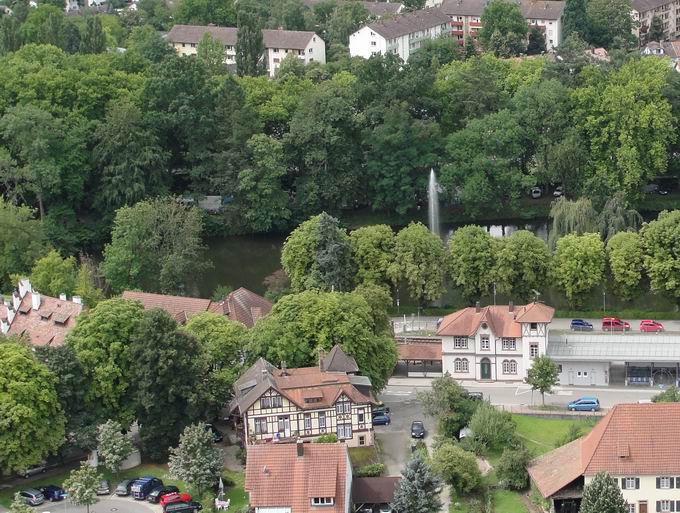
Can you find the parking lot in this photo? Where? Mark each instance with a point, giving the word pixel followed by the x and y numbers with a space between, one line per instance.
pixel 104 505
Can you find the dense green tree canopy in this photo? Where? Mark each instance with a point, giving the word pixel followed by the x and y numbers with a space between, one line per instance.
pixel 471 259
pixel 53 275
pixel 578 265
pixel 522 265
pixel 21 241
pixel 603 495
pixel 457 467
pixel 373 253
pixel 661 243
pixel 626 258
pixel 504 28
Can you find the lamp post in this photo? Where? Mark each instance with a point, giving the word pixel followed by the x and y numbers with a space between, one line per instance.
pixel 604 300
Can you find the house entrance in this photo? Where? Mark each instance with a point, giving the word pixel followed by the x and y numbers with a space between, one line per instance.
pixel 485 368
pixel 643 507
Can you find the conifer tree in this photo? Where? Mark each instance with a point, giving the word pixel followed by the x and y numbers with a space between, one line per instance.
pixel 417 492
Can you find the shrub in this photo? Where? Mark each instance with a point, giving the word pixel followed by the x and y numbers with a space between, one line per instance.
pixel 329 438
pixel 241 455
pixel 457 467
pixel 572 434
pixel 491 428
pixel 372 470
pixel 512 468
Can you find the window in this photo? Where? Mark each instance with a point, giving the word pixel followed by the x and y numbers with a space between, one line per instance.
pixel 343 406
pixel 509 344
pixel 631 508
pixel 322 501
pixel 308 421
pixel 373 43
pixel 184 45
pixel 664 506
pixel 344 431
pixel 265 403
pixel 261 426
pixel 193 45
pixel 460 342
pixel 360 415
pixel 533 350
pixel 460 365
pixel 533 326
pixel 310 50
pixel 664 482
pixel 277 401
pixel 276 59
pixel 509 367
pixel 283 424
pixel 559 368
pixel 484 343
pixel 276 50
pixel 322 420
pixel 362 440
pixel 630 483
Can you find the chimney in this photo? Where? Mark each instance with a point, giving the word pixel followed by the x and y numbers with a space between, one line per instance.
pixel 300 448
pixel 62 296
pixel 511 306
pixel 478 307
pixel 24 286
pixel 284 370
pixel 35 300
pixel 77 300
pixel 322 355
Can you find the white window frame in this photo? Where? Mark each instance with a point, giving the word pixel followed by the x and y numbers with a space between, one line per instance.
pixel 484 343
pixel 665 480
pixel 665 505
pixel 460 342
pixel 308 421
pixel 344 431
pixel 322 420
pixel 265 402
pixel 509 344
pixel 631 508
pixel 461 365
pixel 276 401
pixel 323 501
pixel 361 416
pixel 343 406
pixel 509 367
pixel 259 423
pixel 533 351
pixel 630 483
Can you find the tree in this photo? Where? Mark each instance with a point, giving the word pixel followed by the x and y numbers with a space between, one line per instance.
pixel 492 429
pixel 31 409
pixel 456 467
pixel 318 255
pixel 81 485
pixel 616 217
pixel 169 359
pixel 22 241
pixel 578 265
pixel 670 395
pixel 655 32
pixel 449 403
pixel 19 505
pixel 505 19
pixel 204 12
pixel 113 446
pixel 507 45
pixel 302 325
pixel 10 35
pixel 85 285
pixel 101 341
pixel 522 265
pixel 53 275
pixel 512 468
pixel 610 24
pixel 212 54
pixel 435 52
pixel 470 259
pixel 626 260
pixel 571 217
pixel 470 47
pixel 94 39
pixel 662 263
pixel 148 43
pixel 543 375
pixel 603 495
pixel 288 15
pixel 575 19
pixel 249 42
pixel 419 261
pixel 418 490
pixel 373 253
pixel 155 246
pixel 196 460
pixel 346 19
pixel 536 43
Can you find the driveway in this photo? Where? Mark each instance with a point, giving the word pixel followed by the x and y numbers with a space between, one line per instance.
pixel 104 505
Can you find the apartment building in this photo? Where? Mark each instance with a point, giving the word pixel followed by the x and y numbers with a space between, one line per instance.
pixel 636 444
pixel 402 34
pixel 667 10
pixel 306 46
pixel 466 17
pixel 375 9
pixel 282 405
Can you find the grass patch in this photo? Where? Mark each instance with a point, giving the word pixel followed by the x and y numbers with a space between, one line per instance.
pixel 505 501
pixel 237 494
pixel 541 435
pixel 362 456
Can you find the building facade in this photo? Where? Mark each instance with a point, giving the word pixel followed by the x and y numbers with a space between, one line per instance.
pixel 494 343
pixel 401 35
pixel 668 11
pixel 306 46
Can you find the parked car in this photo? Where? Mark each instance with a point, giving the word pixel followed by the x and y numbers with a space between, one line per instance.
pixel 615 324
pixel 104 487
pixel 477 396
pixel 649 326
pixel 216 434
pixel 40 468
pixel 124 487
pixel 380 410
pixel 580 325
pixel 144 486
pixel 585 404
pixel 157 493
pixel 417 429
pixel 381 420
pixel 183 507
pixel 536 192
pixel 32 496
pixel 655 188
pixel 172 498
pixel 53 493
pixel 385 508
pixel 558 192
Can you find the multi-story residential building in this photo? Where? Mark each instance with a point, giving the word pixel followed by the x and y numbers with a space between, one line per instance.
pixel 44 320
pixel 636 444
pixel 376 9
pixel 402 34
pixel 279 405
pixel 307 46
pixel 668 49
pixel 466 17
pixel 668 11
pixel 496 343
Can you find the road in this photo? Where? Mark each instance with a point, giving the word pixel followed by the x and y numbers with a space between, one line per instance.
pixel 104 505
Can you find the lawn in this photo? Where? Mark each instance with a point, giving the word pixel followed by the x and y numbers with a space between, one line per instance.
pixel 540 435
pixel 237 495
pixel 505 501
pixel 362 456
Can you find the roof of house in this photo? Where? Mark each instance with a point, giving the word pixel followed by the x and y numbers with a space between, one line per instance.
pixel 503 320
pixel 293 39
pixel 531 9
pixel 408 23
pixel 621 444
pixel 240 305
pixel 648 5
pixel 425 351
pixel 665 48
pixel 374 490
pixel 600 347
pixel 377 9
pixel 337 361
pixel 277 477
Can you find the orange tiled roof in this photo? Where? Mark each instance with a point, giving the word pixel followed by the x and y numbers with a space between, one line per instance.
pixel 622 443
pixel 425 351
pixel 277 477
pixel 177 306
pixel 501 320
pixel 244 306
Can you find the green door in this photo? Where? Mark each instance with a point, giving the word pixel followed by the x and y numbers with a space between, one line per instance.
pixel 485 365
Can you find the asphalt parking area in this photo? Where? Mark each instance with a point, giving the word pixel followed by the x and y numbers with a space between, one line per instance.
pixel 108 504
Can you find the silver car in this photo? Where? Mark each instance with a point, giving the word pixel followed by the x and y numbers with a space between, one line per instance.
pixel 32 497
pixel 104 488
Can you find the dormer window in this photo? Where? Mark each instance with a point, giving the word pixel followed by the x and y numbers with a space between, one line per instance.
pixel 323 501
pixel 343 405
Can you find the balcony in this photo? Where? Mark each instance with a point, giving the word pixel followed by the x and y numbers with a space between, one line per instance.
pixel 457 23
pixel 476 24
pixel 457 32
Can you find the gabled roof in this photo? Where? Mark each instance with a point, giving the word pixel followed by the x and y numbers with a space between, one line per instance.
pixel 408 23
pixel 277 477
pixel 501 319
pixel 621 444
pixel 244 306
pixel 176 306
pixel 338 361
pixel 648 5
pixel 531 9
pixel 290 39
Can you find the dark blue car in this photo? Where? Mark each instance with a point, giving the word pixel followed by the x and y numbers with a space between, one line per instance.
pixel 54 493
pixel 381 420
pixel 580 325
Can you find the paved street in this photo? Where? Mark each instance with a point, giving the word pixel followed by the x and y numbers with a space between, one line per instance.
pixel 105 505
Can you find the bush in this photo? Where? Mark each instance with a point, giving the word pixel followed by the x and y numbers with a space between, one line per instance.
pixel 671 395
pixel 572 434
pixel 491 428
pixel 241 455
pixel 329 438
pixel 373 470
pixel 457 467
pixel 512 468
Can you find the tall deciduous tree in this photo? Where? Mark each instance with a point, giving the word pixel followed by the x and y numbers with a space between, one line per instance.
pixel 626 260
pixel 571 217
pixel 419 261
pixel 82 484
pixel 373 253
pixel 512 468
pixel 417 491
pixel 457 467
pixel 113 446
pixel 196 460
pixel 543 375
pixel 603 495
pixel 21 241
pixel 449 403
pixel 575 19
pixel 578 265
pixel 536 43
pixel 504 19
pixel 660 240
pixel 212 54
pixel 94 39
pixel 470 259
pixel 655 32
pixel 249 42
pixel 522 265
pixel 610 24
pixel 32 423
pixel 155 245
pixel 53 275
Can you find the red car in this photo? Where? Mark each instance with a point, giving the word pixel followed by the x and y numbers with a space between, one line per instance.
pixel 649 326
pixel 172 498
pixel 614 324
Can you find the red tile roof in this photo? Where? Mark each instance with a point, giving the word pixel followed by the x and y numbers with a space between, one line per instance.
pixel 244 306
pixel 501 320
pixel 177 306
pixel 277 477
pixel 622 443
pixel 425 351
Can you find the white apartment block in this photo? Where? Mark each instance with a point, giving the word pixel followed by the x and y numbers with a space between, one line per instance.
pixel 401 34
pixel 667 10
pixel 307 46
pixel 466 17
